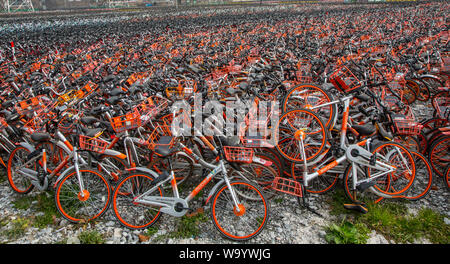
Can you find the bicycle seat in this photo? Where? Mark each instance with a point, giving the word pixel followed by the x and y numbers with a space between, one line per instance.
pixel 40 137
pixel 91 132
pixel 233 91
pixel 162 148
pixel 89 120
pixel 113 100
pixel 116 92
pixel 365 130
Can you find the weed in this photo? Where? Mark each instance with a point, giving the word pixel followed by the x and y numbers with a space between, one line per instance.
pixel 91 237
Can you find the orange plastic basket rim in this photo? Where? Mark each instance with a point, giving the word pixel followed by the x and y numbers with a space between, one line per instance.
pixel 288 186
pixel 160 131
pixel 92 144
pixel 238 154
pixel 125 122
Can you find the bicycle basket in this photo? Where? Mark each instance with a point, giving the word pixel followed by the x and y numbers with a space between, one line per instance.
pixel 289 186
pixel 151 107
pixel 238 154
pixel 406 124
pixel 29 105
pixel 93 144
pixel 160 138
pixel 344 80
pixel 126 122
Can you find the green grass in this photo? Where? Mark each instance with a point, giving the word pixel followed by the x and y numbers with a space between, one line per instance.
pixel 347 233
pixel 19 226
pixel 393 221
pixel 91 237
pixel 187 227
pixel 151 231
pixel 23 202
pixel 390 219
pixel 46 205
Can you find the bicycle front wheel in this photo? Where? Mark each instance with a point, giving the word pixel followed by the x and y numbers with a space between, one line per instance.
pixel 130 213
pixel 400 158
pixel 88 204
pixel 244 221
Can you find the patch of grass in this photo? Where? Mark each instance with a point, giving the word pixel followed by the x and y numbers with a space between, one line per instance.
pixel 394 222
pixel 347 233
pixel 62 242
pixel 188 226
pixel 46 205
pixel 337 201
pixel 23 202
pixel 91 237
pixel 278 200
pixel 19 226
pixel 151 231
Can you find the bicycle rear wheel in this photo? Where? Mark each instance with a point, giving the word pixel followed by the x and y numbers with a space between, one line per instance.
pixel 423 178
pixel 439 154
pixel 16 161
pixel 310 95
pixel 300 122
pixel 244 222
pixel 402 178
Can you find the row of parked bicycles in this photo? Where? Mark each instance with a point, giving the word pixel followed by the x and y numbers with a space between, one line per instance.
pixel 94 118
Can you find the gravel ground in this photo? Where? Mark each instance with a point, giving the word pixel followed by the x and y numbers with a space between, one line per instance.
pixel 289 223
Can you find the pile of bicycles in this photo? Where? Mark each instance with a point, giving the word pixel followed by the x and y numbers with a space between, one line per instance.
pixel 120 117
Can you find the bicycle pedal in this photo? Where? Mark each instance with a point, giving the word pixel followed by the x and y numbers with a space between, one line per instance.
pixel 356 207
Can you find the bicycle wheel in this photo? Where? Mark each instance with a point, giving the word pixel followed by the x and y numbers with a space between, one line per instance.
pixel 16 161
pixel 433 83
pixel 423 178
pixel 307 96
pixel 398 156
pixel 247 221
pixel 262 175
pixel 439 154
pixel 88 204
pixel 411 142
pixel 366 196
pixel 300 122
pixel 130 213
pixel 421 89
pixel 274 156
pixel 321 184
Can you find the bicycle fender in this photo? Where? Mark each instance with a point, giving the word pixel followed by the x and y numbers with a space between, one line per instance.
pixel 430 76
pixel 115 153
pixel 28 146
pixel 63 174
pixel 213 190
pixel 186 155
pixel 146 170
pixel 215 187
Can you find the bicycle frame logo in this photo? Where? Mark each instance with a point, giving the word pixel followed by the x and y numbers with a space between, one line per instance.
pixel 252 121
